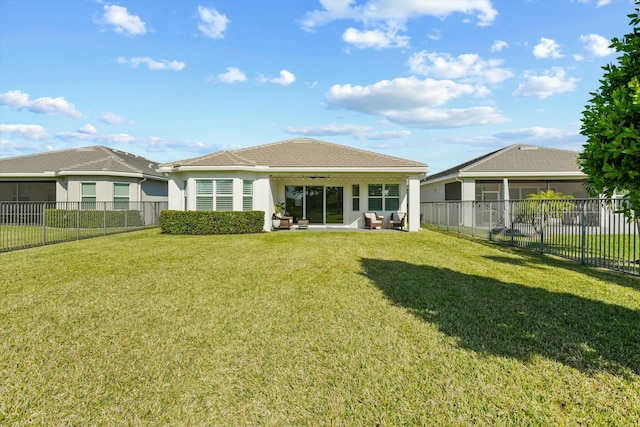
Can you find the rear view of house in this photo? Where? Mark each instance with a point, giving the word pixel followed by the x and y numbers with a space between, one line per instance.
pixel 325 183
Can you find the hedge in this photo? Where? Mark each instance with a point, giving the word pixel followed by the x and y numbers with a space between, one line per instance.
pixel 211 222
pixel 73 218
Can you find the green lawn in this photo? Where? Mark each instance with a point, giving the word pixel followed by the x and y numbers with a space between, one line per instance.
pixel 313 328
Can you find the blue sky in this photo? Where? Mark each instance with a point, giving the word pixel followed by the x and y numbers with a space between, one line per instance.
pixel 436 81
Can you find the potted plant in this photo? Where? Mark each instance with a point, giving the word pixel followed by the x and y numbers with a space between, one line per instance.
pixel 278 212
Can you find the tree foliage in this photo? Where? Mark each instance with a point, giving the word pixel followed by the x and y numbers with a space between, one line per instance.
pixel 611 123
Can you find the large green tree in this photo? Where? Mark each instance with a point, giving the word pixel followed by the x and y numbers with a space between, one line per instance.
pixel 611 123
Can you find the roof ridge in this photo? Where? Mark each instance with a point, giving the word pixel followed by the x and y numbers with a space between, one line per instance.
pixel 115 155
pixel 488 157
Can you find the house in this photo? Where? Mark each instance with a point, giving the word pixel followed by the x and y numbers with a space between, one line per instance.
pixel 326 183
pixel 486 184
pixel 511 173
pixel 88 174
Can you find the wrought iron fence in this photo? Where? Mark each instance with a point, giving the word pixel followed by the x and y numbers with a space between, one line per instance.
pixel 28 224
pixel 590 231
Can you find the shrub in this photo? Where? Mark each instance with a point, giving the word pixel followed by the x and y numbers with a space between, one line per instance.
pixel 73 218
pixel 211 222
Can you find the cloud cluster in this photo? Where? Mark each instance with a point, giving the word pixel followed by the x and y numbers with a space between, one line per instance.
pixel 114 119
pixel 152 64
pixel 547 48
pixel 121 21
pixel 551 82
pixel 413 102
pixel 384 19
pixel 32 132
pixel 46 105
pixel 466 67
pixel 212 24
pixel 357 131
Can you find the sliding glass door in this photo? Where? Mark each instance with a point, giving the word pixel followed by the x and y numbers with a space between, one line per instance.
pixel 319 204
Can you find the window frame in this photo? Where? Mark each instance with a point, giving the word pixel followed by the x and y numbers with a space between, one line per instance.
pixel 120 200
pixel 219 193
pixel 88 201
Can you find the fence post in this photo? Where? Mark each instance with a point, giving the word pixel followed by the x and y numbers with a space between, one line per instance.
pixel 473 217
pixel 583 223
pixel 78 221
pixel 44 223
pixel 490 220
pixel 447 205
pixel 542 227
pixel 104 218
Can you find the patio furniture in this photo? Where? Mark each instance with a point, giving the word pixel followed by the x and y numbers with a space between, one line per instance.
pixel 303 224
pixel 285 221
pixel 397 220
pixel 373 220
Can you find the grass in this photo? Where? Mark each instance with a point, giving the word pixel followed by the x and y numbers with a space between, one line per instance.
pixel 26 236
pixel 312 328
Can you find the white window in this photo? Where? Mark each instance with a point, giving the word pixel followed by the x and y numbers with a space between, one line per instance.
pixel 384 197
pixel 88 195
pixel 247 195
pixel 121 196
pixel 355 197
pixel 214 194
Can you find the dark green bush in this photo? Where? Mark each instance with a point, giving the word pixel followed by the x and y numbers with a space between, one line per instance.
pixel 72 218
pixel 211 222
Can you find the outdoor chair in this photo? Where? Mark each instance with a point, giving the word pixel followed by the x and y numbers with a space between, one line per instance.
pixel 373 220
pixel 285 221
pixel 397 220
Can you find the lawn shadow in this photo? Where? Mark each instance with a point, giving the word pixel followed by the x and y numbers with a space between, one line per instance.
pixel 534 259
pixel 511 320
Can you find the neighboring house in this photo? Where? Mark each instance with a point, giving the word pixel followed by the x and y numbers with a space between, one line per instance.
pixel 328 184
pixel 511 173
pixel 88 174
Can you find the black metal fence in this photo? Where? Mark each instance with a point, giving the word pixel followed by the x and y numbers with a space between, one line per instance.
pixel 589 231
pixel 28 224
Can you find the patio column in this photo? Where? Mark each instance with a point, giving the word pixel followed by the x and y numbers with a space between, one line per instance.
pixel 505 197
pixel 413 210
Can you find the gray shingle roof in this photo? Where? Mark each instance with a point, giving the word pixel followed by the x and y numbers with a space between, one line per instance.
pixel 94 159
pixel 300 153
pixel 517 158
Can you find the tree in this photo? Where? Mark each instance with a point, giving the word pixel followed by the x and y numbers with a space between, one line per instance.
pixel 611 123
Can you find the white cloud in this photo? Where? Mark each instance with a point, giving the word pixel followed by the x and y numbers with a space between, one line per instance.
pixel 106 139
pixel 33 132
pixel 400 93
pixel 328 130
pixel 394 13
pixel 468 67
pixel 357 131
pixel 551 82
pixel 121 21
pixel 411 101
pixel 152 64
pixel 233 75
pixel 447 118
pixel 536 133
pixel 20 100
pixel 547 48
pixel 499 45
pixel 88 129
pixel 114 119
pixel 285 79
pixel 596 45
pixel 377 39
pixel 213 24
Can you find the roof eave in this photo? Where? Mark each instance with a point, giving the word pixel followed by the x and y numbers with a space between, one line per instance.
pixel 267 169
